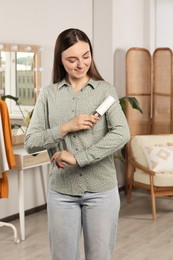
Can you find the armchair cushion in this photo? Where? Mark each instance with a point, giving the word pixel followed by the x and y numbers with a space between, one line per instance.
pixel 159 157
pixel 162 178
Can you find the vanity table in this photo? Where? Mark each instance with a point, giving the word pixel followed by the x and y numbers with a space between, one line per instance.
pixel 26 161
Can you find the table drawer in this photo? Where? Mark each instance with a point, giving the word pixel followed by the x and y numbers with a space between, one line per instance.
pixel 31 160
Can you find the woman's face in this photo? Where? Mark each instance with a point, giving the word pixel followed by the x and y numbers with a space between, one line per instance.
pixel 77 60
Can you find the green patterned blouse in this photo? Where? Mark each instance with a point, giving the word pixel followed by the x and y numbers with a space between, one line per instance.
pixel 93 148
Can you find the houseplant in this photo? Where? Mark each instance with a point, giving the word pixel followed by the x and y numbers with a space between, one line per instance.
pixel 15 99
pixel 135 105
pixel 119 156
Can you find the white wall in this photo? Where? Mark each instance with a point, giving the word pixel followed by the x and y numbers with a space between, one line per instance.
pixel 164 22
pixel 113 27
pixel 128 31
pixel 117 26
pixel 102 37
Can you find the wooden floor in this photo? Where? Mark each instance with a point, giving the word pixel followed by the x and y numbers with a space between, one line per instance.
pixel 139 237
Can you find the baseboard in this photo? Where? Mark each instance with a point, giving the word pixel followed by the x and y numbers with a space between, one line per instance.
pixel 27 212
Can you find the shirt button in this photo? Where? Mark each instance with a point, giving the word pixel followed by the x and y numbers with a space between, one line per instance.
pixel 74 136
pixel 73 110
pixel 80 174
pixel 76 149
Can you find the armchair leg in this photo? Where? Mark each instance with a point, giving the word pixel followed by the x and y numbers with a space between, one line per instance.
pixel 129 192
pixel 130 185
pixel 153 199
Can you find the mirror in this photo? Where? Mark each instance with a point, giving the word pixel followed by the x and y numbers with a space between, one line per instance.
pixel 20 75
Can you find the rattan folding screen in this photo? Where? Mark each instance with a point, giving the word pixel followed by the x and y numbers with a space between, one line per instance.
pixel 162 118
pixel 149 79
pixel 138 84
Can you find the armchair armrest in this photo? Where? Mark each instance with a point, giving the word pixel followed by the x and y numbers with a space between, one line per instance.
pixel 141 167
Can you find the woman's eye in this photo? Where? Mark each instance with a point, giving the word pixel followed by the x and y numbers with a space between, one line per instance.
pixel 86 57
pixel 72 61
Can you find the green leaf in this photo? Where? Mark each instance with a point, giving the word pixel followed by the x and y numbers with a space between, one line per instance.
pixel 15 99
pixel 133 102
pixel 123 104
pixel 14 126
pixel 10 97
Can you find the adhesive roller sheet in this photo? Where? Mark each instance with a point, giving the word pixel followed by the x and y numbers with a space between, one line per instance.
pixel 105 105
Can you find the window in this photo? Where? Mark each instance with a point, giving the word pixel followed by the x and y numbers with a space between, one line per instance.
pixel 20 75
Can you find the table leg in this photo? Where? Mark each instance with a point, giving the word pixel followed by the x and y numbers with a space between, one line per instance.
pixel 21 203
pixel 43 183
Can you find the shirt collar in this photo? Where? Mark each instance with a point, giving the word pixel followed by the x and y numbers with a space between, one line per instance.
pixel 91 82
pixel 62 83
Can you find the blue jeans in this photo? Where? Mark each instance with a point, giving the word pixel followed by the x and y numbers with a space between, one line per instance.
pixel 95 213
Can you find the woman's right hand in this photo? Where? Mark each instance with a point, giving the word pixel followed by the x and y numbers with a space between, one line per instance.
pixel 63 157
pixel 80 122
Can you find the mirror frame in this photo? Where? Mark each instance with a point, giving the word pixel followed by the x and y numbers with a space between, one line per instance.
pixel 36 49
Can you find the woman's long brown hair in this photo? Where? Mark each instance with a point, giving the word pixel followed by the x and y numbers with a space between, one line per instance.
pixel 64 41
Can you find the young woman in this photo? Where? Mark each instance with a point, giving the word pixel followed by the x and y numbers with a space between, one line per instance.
pixel 83 193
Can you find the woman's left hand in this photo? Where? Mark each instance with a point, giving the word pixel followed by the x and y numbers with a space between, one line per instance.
pixel 63 157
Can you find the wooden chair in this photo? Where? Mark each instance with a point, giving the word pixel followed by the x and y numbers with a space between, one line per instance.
pixel 158 183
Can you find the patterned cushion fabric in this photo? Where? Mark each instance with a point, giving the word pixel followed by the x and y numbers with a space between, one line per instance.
pixel 159 158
